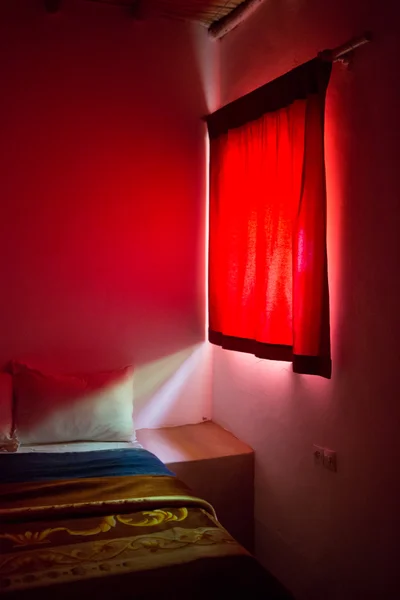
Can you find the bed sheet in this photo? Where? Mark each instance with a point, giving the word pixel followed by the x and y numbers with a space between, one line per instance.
pixel 79 447
pixel 32 467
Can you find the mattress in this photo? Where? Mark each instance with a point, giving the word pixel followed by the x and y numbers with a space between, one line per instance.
pixel 79 447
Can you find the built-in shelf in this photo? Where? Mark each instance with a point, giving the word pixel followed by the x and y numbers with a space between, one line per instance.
pixel 215 465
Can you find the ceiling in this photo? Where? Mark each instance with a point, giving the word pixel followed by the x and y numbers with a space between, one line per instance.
pixel 202 11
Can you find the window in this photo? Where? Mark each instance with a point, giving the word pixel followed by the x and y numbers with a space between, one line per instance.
pixel 268 285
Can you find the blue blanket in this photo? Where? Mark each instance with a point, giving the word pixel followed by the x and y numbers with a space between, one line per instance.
pixel 46 466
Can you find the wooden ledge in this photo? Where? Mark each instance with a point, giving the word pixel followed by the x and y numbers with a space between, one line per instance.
pixel 191 443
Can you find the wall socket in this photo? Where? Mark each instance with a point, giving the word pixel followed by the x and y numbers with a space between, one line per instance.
pixel 318 452
pixel 324 457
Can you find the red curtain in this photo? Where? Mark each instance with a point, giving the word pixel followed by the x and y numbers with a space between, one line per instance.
pixel 268 290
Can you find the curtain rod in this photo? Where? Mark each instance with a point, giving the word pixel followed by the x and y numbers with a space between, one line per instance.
pixel 341 52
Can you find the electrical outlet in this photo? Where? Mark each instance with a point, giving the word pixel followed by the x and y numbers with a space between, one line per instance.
pixel 318 453
pixel 329 460
pixel 324 457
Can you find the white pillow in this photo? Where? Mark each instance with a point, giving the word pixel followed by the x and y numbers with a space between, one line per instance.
pixel 67 408
pixel 8 442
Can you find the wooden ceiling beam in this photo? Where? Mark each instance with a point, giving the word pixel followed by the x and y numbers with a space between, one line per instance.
pixel 232 20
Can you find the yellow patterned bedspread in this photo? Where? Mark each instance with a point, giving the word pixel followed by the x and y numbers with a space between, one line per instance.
pixel 117 537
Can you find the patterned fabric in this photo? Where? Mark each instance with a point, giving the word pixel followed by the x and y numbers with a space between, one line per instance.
pixel 142 537
pixel 42 554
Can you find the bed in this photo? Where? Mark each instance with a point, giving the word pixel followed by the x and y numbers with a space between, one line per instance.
pixel 114 522
pixel 102 518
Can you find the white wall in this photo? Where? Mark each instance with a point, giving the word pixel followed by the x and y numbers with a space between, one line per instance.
pixel 331 536
pixel 103 198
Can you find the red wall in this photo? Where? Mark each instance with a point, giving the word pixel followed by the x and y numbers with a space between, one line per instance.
pixel 331 536
pixel 102 186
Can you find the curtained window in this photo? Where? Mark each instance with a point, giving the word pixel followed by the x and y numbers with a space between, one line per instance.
pixel 268 285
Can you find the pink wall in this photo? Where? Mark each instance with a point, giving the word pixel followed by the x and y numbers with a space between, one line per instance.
pixel 331 536
pixel 102 162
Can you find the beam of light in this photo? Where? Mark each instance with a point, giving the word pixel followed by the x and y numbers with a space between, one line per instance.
pixel 174 390
pixel 208 56
pixel 206 229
